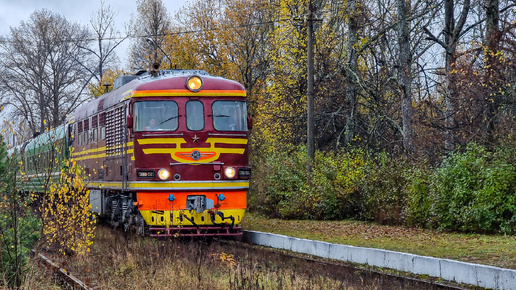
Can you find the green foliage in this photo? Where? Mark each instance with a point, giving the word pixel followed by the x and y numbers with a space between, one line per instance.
pixel 19 232
pixel 336 181
pixel 282 177
pixel 384 190
pixel 332 192
pixel 417 209
pixel 474 191
pixel 18 225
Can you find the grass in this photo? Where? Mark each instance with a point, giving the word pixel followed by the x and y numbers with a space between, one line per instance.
pixel 118 262
pixel 494 250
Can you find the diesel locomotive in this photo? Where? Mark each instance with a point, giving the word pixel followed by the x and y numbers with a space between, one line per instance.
pixel 164 153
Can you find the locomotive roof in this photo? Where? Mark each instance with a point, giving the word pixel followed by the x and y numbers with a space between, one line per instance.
pixel 167 80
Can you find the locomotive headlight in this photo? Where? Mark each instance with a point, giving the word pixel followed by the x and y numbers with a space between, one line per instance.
pixel 163 174
pixel 194 83
pixel 230 172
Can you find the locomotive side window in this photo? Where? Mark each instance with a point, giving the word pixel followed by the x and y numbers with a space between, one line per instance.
pixel 86 131
pixel 194 115
pixel 95 135
pixel 102 124
pixel 94 126
pixel 79 133
pixel 155 116
pixel 229 116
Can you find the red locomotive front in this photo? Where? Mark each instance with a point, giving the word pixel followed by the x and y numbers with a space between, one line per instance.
pixel 174 158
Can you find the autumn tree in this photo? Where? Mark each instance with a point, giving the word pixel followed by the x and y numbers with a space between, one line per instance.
pixel 378 77
pixel 43 79
pixel 352 72
pixel 103 48
pixel 68 224
pixel 452 33
pixel 405 72
pixel 202 37
pixel 228 38
pixel 282 108
pixel 55 184
pixel 248 41
pixel 497 66
pixel 105 84
pixel 149 27
pixel 476 72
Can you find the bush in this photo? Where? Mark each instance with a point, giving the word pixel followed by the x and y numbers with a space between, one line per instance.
pixel 335 183
pixel 474 191
pixel 19 227
pixel 281 186
pixel 278 182
pixel 68 224
pixel 417 209
pixel 19 232
pixel 384 190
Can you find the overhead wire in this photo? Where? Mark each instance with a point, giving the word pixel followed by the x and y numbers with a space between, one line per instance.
pixel 4 39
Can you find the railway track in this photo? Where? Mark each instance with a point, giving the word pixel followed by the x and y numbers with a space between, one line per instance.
pixel 348 271
pixel 59 275
pixel 262 260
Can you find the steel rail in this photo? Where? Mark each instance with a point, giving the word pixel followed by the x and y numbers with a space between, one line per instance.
pixel 61 276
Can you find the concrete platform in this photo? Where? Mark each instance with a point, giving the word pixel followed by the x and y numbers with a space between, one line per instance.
pixel 450 270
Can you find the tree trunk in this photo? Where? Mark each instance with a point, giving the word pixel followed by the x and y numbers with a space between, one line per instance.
pixel 449 120
pixel 451 38
pixel 352 74
pixel 491 81
pixel 405 59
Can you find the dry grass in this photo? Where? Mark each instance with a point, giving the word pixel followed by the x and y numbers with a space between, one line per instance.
pixel 495 250
pixel 36 278
pixel 117 262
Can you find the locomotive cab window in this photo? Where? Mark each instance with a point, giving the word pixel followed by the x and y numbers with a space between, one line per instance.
pixel 155 116
pixel 194 115
pixel 229 116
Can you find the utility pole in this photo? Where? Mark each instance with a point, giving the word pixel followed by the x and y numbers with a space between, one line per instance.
pixel 310 144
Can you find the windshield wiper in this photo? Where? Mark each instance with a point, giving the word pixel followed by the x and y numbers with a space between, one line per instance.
pixel 173 117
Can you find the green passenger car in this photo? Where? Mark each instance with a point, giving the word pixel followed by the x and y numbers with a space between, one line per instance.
pixel 43 158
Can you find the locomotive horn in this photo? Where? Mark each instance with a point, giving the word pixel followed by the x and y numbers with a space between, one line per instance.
pixel 154 69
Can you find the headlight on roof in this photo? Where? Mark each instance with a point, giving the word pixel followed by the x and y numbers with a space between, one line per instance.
pixel 194 83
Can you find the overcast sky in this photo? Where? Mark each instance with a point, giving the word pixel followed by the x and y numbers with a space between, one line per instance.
pixel 12 12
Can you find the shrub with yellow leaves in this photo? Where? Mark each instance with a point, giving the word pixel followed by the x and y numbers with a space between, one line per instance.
pixel 68 224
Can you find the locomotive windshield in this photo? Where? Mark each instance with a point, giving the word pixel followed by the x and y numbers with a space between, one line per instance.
pixel 155 116
pixel 194 115
pixel 229 116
